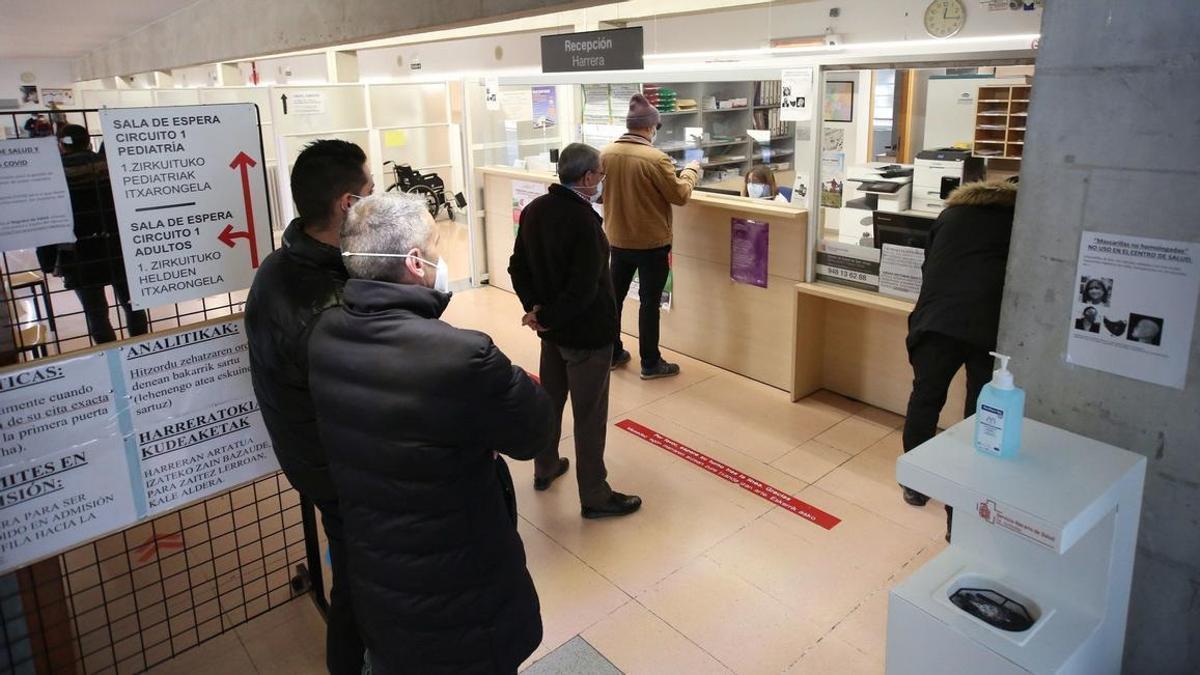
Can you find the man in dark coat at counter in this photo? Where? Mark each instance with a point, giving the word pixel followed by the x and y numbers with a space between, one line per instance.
pixel 957 315
pixel 559 268
pixel 414 413
pixel 293 287
pixel 94 260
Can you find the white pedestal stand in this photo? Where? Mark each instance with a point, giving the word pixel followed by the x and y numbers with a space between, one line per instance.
pixel 1054 528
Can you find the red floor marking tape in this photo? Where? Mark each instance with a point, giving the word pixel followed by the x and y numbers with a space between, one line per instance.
pixel 748 483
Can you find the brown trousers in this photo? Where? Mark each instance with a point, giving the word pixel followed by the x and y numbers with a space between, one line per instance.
pixel 583 374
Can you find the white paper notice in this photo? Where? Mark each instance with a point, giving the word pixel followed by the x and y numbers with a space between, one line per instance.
pixel 900 271
pixel 170 376
pixel 801 187
pixel 303 103
pixel 65 496
pixel 58 405
pixel 191 199
pixel 203 453
pixel 796 104
pixel 35 207
pixel 848 265
pixel 1135 305
pixel 491 93
pixel 517 104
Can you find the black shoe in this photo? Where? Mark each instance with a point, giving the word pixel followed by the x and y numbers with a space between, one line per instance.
pixel 663 369
pixel 620 359
pixel 618 505
pixel 915 498
pixel 543 484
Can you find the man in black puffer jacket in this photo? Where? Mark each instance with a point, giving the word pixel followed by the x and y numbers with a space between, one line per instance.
pixel 413 412
pixel 957 315
pixel 293 287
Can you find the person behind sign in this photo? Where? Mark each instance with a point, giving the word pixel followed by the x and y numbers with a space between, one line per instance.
pixel 414 413
pixel 94 260
pixel 559 268
pixel 957 315
pixel 642 186
pixel 293 287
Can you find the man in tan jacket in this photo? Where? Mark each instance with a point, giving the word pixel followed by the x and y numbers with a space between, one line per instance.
pixel 640 187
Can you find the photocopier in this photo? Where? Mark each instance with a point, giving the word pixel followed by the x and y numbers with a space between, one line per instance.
pixel 938 172
pixel 869 188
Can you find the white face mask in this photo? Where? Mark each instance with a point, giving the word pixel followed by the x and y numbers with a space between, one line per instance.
pixel 757 190
pixel 441 281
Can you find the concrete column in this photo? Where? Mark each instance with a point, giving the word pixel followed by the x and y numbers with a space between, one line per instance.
pixel 1113 146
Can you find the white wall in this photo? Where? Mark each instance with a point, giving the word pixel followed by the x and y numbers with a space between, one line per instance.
pixel 302 69
pixel 520 51
pixel 54 73
pixel 860 21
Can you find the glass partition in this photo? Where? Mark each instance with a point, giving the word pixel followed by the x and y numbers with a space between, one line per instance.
pixel 894 144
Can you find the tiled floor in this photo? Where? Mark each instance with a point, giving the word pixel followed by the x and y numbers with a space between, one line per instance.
pixel 707 578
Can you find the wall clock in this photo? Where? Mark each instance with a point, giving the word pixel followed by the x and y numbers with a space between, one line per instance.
pixel 944 18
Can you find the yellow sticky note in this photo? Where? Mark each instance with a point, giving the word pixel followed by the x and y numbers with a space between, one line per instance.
pixel 396 138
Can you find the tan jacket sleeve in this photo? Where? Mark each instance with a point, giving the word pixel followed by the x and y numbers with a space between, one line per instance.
pixel 675 189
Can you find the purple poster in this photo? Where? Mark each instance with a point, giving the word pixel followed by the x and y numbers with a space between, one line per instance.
pixel 748 252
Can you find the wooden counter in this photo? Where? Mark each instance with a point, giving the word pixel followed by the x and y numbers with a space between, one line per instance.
pixel 852 342
pixel 742 328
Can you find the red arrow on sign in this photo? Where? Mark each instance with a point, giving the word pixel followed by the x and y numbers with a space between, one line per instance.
pixel 228 236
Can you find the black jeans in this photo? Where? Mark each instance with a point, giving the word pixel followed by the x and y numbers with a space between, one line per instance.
pixel 583 374
pixel 343 643
pixel 935 359
pixel 652 266
pixel 95 311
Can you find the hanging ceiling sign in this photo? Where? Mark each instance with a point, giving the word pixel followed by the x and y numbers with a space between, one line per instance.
pixel 619 49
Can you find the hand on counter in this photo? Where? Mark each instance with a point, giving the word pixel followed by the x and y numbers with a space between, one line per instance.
pixel 693 165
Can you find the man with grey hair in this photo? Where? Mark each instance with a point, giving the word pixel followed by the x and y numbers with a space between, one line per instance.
pixel 560 270
pixel 414 413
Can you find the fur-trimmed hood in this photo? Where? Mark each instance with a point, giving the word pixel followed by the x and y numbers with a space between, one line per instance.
pixel 996 193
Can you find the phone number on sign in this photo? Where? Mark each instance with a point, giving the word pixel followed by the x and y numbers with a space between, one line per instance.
pixel 844 274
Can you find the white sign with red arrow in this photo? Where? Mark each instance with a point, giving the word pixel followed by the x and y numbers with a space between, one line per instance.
pixel 191 198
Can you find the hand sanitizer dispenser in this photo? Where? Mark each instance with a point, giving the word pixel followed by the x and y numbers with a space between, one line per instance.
pixel 999 414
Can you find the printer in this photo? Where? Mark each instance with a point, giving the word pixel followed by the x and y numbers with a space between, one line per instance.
pixel 938 172
pixel 869 188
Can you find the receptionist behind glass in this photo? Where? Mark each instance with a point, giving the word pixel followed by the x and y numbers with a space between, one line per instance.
pixel 760 184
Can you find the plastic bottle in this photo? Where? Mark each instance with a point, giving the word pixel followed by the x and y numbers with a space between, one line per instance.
pixel 1000 414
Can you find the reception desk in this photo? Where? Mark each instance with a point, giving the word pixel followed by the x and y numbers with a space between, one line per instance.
pixel 739 327
pixel 852 342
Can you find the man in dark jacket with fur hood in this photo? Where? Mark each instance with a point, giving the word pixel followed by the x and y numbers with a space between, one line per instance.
pixel 957 315
pixel 413 412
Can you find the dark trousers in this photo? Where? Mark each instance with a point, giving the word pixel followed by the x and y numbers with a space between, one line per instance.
pixel 582 374
pixel 95 311
pixel 652 266
pixel 935 359
pixel 343 643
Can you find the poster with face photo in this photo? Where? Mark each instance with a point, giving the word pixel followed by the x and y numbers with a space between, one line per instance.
pixel 1134 306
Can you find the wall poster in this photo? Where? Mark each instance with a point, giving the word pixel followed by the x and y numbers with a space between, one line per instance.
pixel 191 198
pixel 796 102
pixel 545 107
pixel 748 251
pixel 833 179
pixel 1134 306
pixel 35 206
pixel 523 192
pixel 91 444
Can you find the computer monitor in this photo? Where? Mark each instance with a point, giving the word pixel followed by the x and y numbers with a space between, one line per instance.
pixel 900 229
